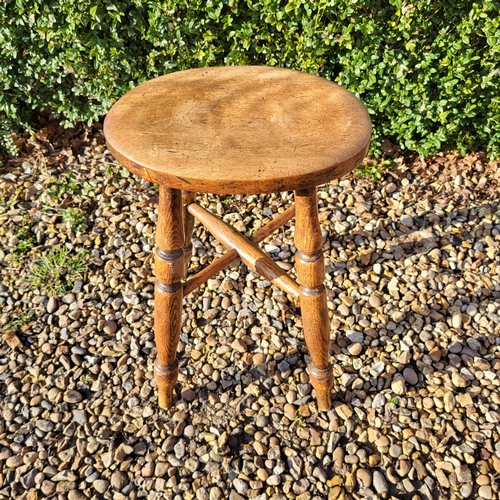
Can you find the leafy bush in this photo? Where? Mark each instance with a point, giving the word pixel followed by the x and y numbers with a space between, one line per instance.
pixel 427 71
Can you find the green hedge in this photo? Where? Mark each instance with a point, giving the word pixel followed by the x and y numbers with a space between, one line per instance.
pixel 428 71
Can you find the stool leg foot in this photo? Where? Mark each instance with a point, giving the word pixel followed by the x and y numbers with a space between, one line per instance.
pixel 169 269
pixel 322 381
pixel 166 377
pixel 311 275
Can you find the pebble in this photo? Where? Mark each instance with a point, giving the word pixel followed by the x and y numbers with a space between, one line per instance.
pixel 355 349
pixel 456 320
pixel 407 220
pixel 354 336
pixel 240 486
pixel 410 376
pixel 338 457
pixel 459 380
pixel 101 485
pixel 110 327
pixel 72 396
pixel 119 480
pixel 380 483
pixel 51 305
pixel 364 478
pixel 485 492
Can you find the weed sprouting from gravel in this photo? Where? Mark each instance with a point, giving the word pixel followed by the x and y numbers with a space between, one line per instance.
pixel 57 271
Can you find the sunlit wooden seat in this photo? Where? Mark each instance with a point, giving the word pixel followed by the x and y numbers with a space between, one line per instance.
pixel 228 130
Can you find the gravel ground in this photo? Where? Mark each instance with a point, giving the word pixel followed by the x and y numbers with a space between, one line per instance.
pixel 412 263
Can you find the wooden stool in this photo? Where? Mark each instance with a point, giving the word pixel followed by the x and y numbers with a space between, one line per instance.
pixel 229 130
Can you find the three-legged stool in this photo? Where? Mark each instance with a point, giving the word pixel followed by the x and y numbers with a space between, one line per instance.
pixel 229 130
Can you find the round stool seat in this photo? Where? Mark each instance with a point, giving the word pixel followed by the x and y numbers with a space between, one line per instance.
pixel 239 129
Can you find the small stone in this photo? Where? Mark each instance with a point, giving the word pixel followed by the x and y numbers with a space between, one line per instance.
pixel 44 425
pixel 377 369
pixel 119 480
pixel 398 385
pixel 12 340
pixel 471 310
pixel 300 486
pixel 404 467
pixel 48 487
pixel 295 465
pixel 485 492
pixel 28 480
pixel 259 358
pixel 463 474
pixel 122 451
pixel 180 449
pixel 51 305
pixel 202 494
pixel 459 380
pixel 449 401
pixel 466 490
pixel 188 395
pixel 14 461
pixel 72 397
pixel 261 421
pixel 410 376
pixel 273 480
pixel 355 349
pixel 161 469
pixel 239 346
pixel 353 336
pixel 69 298
pixel 262 474
pixel 455 348
pixel 378 401
pixel 375 301
pixel 442 479
pixel 76 495
pixel 406 220
pixel 338 457
pixel 80 417
pixel 335 493
pixel 364 478
pixel 343 411
pixel 456 320
pixel 64 476
pixel 343 310
pixel 289 411
pixel 395 451
pixel 240 486
pixel 216 493
pixel 380 483
pixel 213 284
pixel 110 327
pixel 101 485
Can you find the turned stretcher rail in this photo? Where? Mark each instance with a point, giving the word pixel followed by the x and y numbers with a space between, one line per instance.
pixel 219 264
pixel 250 253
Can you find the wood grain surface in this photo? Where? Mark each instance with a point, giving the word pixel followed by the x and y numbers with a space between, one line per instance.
pixel 238 129
pixel 169 270
pixel 311 275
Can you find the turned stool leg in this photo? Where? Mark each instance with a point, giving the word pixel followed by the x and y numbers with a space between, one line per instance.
pixel 188 221
pixel 169 269
pixel 311 275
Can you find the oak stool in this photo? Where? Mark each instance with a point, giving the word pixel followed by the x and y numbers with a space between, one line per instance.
pixel 238 130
